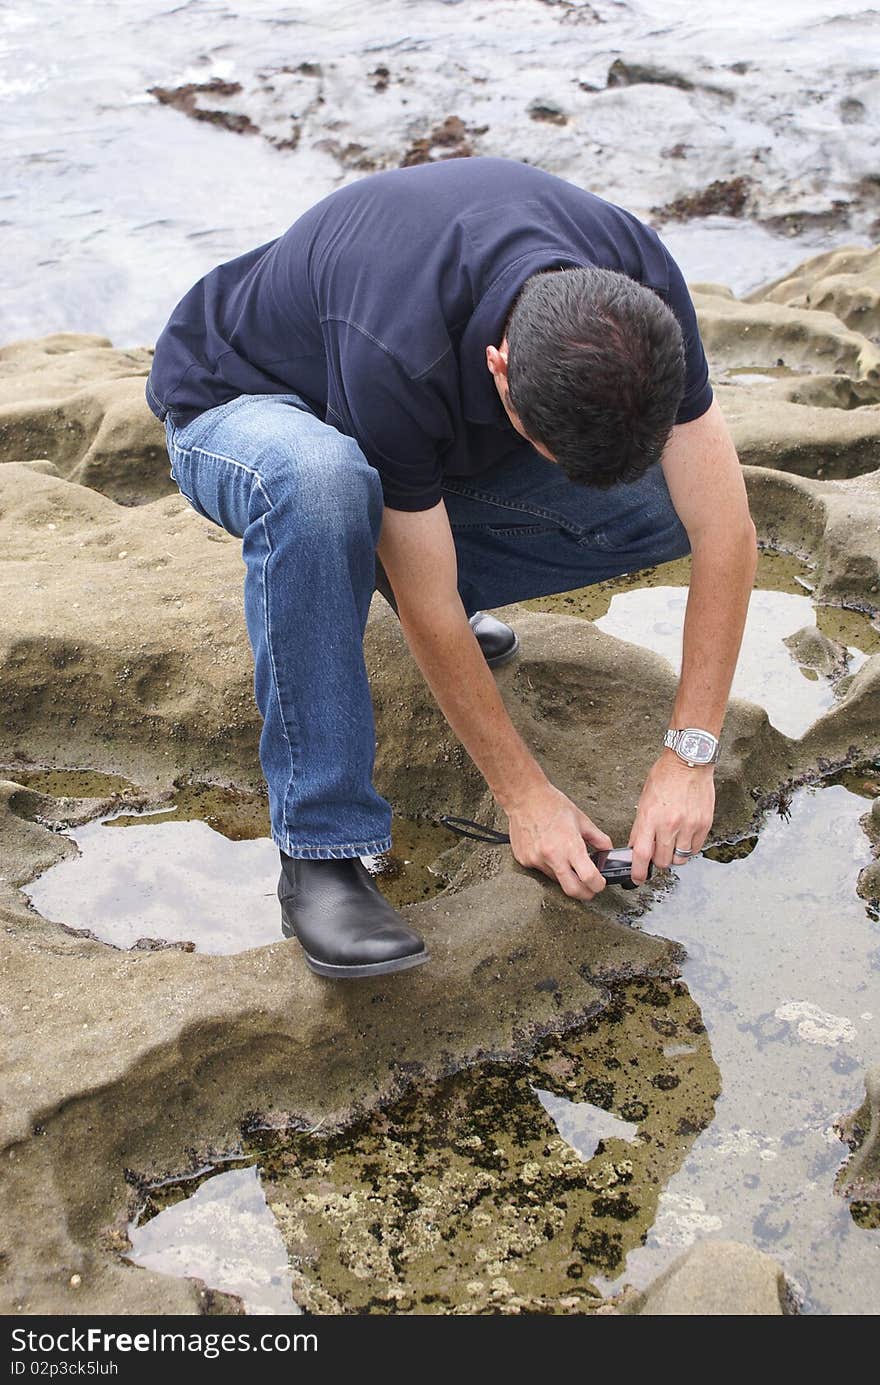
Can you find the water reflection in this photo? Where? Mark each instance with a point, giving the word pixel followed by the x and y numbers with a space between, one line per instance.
pixel 203 870
pixel 783 960
pixel 225 1234
pixel 530 1189
pixel 647 608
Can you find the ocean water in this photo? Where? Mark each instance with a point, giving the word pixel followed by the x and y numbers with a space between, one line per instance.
pixel 113 204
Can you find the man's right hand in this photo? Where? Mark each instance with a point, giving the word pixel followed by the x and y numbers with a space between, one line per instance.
pixel 547 831
pixel 550 833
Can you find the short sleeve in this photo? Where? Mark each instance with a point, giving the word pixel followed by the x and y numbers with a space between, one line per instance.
pixel 401 425
pixel 697 391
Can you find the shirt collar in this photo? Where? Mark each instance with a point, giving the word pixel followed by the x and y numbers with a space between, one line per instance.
pixel 479 397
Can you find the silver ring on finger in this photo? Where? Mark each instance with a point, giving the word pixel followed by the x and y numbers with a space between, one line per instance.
pixel 680 851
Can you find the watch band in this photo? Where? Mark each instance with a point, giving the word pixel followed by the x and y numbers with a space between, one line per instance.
pixel 682 737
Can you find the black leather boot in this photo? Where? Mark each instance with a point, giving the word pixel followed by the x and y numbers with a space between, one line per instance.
pixel 345 924
pixel 499 642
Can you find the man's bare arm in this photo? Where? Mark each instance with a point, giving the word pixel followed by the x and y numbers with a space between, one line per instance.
pixel 547 830
pixel 706 485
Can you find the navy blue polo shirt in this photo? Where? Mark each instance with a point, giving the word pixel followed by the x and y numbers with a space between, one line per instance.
pixel 377 306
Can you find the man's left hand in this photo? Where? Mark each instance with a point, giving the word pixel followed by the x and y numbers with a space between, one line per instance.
pixel 675 809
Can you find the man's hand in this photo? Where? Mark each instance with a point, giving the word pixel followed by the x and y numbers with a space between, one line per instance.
pixel 549 832
pixel 676 808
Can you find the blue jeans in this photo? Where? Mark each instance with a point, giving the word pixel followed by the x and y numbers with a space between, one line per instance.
pixel 307 506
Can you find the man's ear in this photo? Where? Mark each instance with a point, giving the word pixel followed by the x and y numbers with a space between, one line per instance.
pixel 496 360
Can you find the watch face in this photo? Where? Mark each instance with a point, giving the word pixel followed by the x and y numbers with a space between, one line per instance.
pixel 696 746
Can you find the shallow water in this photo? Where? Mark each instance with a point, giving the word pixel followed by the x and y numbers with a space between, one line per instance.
pixel 113 205
pixel 680 1114
pixel 647 608
pixel 784 961
pixel 503 1187
pixel 201 869
pixel 226 1234
pixel 68 783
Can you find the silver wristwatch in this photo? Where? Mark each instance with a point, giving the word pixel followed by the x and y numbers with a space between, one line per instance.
pixel 694 746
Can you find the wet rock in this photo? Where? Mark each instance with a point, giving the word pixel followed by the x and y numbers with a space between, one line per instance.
pixel 871 822
pixel 859 1179
pixel 816 651
pixel 724 197
pixel 852 111
pixel 190 98
pixel 716 1279
pixel 628 74
pixel 868 883
pixel 391 93
pixel 78 403
pixel 496 1190
pixel 448 140
pixel 549 111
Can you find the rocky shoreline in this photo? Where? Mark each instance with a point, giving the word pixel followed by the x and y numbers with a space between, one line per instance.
pixel 125 651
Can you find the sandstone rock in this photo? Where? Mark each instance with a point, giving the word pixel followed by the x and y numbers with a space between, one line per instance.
pixel 811 440
pixel 815 389
pixel 43 466
pixel 80 404
pixel 868 883
pixel 191 1042
pixel 716 1279
pixel 845 282
pixel 859 1178
pixel 711 290
pixel 833 523
pixel 123 649
pixel 127 644
pixel 740 334
pixel 814 650
pixel 799 388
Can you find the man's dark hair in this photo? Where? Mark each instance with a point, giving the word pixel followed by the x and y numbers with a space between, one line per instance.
pixel 595 371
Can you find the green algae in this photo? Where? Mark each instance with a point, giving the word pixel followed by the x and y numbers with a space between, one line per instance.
pixel 463 1197
pixel 69 783
pixel 862 780
pixel 235 814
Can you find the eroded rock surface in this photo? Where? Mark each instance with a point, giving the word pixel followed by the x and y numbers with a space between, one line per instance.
pixel 124 650
pixel 79 403
pixel 716 1279
pixel 842 282
pixel 859 1178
